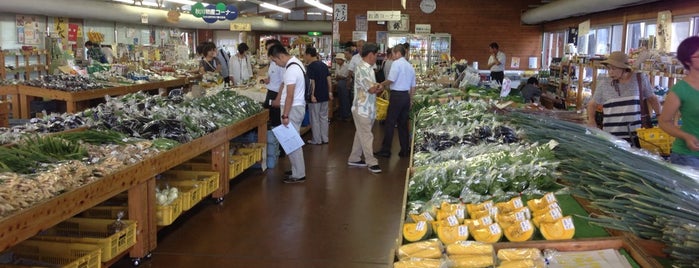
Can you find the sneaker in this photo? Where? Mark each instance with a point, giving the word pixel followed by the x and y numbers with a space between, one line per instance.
pixel 360 163
pixel 287 173
pixel 294 180
pixel 375 169
pixel 383 154
pixel 313 142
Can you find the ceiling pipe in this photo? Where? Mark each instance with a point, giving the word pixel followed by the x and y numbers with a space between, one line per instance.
pixel 562 9
pixel 109 11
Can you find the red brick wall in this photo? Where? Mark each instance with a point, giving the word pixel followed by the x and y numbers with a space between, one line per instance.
pixel 473 24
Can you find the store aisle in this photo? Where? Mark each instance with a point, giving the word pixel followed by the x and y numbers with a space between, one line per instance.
pixel 340 217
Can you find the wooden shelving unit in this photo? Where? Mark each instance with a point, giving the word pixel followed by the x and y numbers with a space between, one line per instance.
pixel 139 181
pixel 27 64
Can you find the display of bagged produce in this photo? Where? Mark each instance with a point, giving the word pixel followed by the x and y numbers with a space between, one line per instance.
pixel 428 249
pixel 65 82
pixel 420 263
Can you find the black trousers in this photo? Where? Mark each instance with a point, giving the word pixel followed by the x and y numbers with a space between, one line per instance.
pixel 497 76
pixel 275 113
pixel 398 111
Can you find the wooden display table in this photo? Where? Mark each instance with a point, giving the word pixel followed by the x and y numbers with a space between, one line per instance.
pixel 74 99
pixel 139 181
pixel 12 91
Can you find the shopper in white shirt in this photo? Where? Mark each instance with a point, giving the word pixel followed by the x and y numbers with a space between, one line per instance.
pixel 496 63
pixel 240 66
pixel 273 83
pixel 401 81
pixel 293 104
pixel 357 58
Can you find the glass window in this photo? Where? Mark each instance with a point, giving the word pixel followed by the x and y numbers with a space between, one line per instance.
pixel 602 44
pixel 650 30
pixel 680 31
pixel 617 36
pixel 696 26
pixel 633 34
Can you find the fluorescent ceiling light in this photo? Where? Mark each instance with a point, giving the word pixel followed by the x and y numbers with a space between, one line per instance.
pixel 131 2
pixel 319 5
pixel 273 7
pixel 314 13
pixel 183 2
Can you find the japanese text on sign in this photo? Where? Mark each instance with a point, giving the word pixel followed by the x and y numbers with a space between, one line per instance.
pixel 383 15
pixel 241 27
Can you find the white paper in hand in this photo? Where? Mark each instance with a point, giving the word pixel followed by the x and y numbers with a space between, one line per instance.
pixel 506 87
pixel 288 137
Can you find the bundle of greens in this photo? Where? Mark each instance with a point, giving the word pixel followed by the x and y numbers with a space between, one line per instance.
pixel 636 193
pixel 33 150
pixel 501 174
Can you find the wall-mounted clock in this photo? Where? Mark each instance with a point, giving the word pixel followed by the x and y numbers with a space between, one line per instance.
pixel 428 6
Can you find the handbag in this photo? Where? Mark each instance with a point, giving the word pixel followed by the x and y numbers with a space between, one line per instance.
pixel 645 112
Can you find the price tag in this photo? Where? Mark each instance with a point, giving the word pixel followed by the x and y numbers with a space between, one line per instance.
pixel 421 226
pixel 463 230
pixel 517 202
pixel 427 216
pixel 525 226
pixel 550 198
pixel 527 213
pixel 556 214
pixel 494 211
pixel 486 220
pixel 452 220
pixel 554 206
pixel 568 223
pixel 519 216
pixel 460 213
pixel 494 229
pixel 488 204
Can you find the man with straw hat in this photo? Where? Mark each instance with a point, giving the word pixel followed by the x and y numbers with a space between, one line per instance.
pixel 620 95
pixel 343 90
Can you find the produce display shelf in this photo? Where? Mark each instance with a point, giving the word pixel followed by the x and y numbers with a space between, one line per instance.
pixel 139 182
pixel 93 231
pixel 74 99
pixel 13 92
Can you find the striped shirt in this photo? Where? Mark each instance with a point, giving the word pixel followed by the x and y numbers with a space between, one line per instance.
pixel 622 110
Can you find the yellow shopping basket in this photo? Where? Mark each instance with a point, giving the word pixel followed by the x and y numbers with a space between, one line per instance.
pixel 381 106
pixel 655 140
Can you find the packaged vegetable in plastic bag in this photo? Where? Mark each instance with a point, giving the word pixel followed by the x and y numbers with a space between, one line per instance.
pixel 471 261
pixel 512 254
pixel 428 249
pixel 420 263
pixel 470 248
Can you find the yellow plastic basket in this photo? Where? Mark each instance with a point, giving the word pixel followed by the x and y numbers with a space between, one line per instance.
pixel 655 140
pixel 93 231
pixel 381 108
pixel 208 180
pixel 167 214
pixel 31 253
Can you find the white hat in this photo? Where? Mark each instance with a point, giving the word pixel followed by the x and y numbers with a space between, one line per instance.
pixel 340 56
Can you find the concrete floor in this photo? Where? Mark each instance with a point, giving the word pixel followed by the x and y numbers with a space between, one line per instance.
pixel 340 217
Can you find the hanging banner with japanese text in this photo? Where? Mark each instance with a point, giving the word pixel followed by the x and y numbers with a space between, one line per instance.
pixel 212 13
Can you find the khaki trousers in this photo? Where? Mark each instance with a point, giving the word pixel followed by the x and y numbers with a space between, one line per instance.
pixel 363 140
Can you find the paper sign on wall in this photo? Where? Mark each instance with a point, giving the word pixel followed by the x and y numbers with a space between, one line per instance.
pixel 241 27
pixel 423 28
pixel 584 28
pixel 383 15
pixel 664 30
pixel 514 64
pixel 144 18
pixel 361 23
pixel 359 35
pixel 340 12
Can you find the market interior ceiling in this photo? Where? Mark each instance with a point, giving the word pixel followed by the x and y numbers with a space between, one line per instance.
pixel 560 9
pixel 303 17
